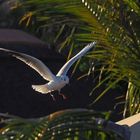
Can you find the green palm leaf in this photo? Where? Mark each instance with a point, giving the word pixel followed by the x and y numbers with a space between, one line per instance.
pixel 72 124
pixel 113 24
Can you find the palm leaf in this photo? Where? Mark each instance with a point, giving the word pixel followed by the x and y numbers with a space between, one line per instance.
pixel 79 124
pixel 110 23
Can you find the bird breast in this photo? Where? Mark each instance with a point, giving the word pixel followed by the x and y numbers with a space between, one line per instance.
pixel 56 85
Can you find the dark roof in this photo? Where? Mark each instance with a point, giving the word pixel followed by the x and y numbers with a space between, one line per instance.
pixel 14 36
pixel 21 41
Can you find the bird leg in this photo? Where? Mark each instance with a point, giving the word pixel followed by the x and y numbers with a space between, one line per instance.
pixel 61 94
pixel 53 97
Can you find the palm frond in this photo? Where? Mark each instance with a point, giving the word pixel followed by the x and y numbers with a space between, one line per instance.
pixel 79 124
pixel 113 24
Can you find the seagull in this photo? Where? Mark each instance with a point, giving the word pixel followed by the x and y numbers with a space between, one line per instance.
pixel 55 83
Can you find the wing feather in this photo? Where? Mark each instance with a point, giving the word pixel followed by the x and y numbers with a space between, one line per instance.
pixel 34 63
pixel 66 67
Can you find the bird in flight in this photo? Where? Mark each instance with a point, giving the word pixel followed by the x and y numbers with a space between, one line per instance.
pixel 55 82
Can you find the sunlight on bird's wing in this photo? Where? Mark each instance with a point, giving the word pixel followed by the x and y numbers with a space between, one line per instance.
pixel 66 67
pixel 34 63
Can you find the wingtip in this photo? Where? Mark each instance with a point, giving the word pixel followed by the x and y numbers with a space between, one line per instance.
pixel 2 49
pixel 93 43
pixel 90 45
pixel 5 50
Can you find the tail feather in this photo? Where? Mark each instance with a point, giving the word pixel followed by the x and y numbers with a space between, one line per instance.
pixel 41 88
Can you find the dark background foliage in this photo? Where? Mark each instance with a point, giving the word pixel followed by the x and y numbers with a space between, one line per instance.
pixel 66 28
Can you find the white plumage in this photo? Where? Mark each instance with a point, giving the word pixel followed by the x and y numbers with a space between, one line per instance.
pixel 55 82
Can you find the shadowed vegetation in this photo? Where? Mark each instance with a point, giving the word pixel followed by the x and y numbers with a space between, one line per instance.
pixel 113 24
pixel 68 25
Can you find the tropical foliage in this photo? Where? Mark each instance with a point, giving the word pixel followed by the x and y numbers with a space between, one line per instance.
pixel 68 25
pixel 113 24
pixel 9 18
pixel 78 124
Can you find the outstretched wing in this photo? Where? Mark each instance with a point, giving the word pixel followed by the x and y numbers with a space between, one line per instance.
pixel 33 62
pixel 66 67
